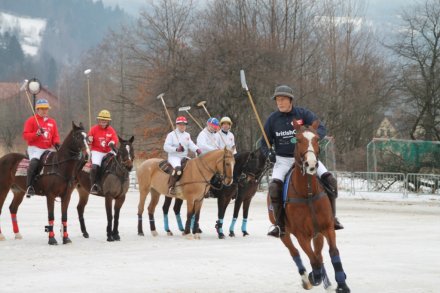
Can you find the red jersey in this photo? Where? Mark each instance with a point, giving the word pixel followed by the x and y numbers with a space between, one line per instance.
pixel 46 140
pixel 102 137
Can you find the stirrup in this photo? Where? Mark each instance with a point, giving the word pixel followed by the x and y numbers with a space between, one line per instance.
pixel 276 232
pixel 30 191
pixel 172 190
pixel 338 226
pixel 94 189
pixel 179 172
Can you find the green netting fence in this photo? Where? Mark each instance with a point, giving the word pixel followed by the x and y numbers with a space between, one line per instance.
pixel 406 156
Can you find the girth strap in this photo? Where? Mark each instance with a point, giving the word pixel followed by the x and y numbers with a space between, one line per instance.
pixel 306 200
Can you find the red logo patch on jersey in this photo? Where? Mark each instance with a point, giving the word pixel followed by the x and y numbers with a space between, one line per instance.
pixel 299 122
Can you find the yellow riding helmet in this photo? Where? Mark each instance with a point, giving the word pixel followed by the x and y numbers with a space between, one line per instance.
pixel 104 115
pixel 226 120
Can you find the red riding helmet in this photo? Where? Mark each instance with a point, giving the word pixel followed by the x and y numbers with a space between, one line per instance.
pixel 181 119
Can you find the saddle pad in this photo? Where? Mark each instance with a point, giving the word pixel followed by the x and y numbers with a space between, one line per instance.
pixel 166 167
pixel 286 186
pixel 22 168
pixel 87 167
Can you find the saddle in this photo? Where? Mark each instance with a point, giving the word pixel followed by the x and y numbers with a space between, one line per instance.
pixel 166 167
pixel 23 165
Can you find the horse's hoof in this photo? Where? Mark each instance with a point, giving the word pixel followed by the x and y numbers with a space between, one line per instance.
pixel 315 280
pixel 154 233
pixel 221 236
pixel 2 237
pixel 199 231
pixel 231 234
pixel 305 282
pixel 52 241
pixel 18 236
pixel 110 239
pixel 86 235
pixel 245 233
pixel 66 240
pixel 116 237
pixel 141 234
pixel 197 236
pixel 189 236
pixel 343 288
pixel 169 233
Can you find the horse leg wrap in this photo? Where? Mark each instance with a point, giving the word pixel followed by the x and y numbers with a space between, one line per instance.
pixel 232 226
pixel 179 222
pixel 65 234
pixel 243 225
pixel 14 223
pixel 165 223
pixel 339 271
pixel 219 226
pixel 298 261
pixel 49 229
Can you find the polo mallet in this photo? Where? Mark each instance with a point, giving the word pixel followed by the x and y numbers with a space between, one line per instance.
pixel 24 88
pixel 87 73
pixel 202 104
pixel 186 109
pixel 168 114
pixel 245 87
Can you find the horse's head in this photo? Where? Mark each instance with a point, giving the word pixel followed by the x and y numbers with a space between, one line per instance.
pixel 126 152
pixel 76 142
pixel 254 165
pixel 307 147
pixel 225 167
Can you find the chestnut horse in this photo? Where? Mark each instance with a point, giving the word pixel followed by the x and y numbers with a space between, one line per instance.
pixel 114 182
pixel 192 186
pixel 56 179
pixel 308 213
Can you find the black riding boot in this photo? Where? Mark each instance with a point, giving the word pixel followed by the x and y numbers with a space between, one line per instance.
pixel 174 177
pixel 94 179
pixel 276 194
pixel 31 172
pixel 331 187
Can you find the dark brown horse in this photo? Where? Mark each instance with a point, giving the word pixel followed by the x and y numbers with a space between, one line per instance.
pixel 114 181
pixel 56 179
pixel 309 214
pixel 192 186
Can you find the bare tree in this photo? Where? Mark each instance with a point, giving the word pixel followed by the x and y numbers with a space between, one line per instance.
pixel 418 48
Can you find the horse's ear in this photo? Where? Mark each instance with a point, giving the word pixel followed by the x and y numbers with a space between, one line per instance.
pixel 74 125
pixel 81 125
pixel 296 125
pixel 131 139
pixel 315 124
pixel 120 138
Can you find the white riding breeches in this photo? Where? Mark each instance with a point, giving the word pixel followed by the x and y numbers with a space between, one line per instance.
pixel 97 157
pixel 35 152
pixel 175 161
pixel 283 165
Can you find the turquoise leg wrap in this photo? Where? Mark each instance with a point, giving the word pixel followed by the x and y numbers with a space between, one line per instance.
pixel 179 222
pixel 231 228
pixel 220 229
pixel 193 219
pixel 165 222
pixel 244 225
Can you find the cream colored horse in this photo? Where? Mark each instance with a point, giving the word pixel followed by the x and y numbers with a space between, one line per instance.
pixel 192 186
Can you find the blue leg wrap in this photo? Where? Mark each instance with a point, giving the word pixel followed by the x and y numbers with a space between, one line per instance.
pixel 243 225
pixel 299 264
pixel 231 228
pixel 179 222
pixel 193 219
pixel 165 222
pixel 220 229
pixel 339 271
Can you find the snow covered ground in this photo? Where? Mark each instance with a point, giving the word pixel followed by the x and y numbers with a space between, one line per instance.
pixel 389 244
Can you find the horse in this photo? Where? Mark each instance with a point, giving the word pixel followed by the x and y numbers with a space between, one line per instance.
pixel 56 179
pixel 308 214
pixel 248 170
pixel 114 181
pixel 192 186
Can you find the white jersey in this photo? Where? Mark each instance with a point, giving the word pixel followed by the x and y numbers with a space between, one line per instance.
pixel 174 138
pixel 227 138
pixel 208 141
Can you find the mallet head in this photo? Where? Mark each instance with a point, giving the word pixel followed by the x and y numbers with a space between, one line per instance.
pixel 184 109
pixel 160 97
pixel 201 103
